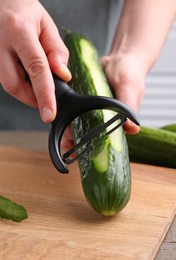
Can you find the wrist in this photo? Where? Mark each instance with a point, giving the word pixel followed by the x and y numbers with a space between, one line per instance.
pixel 139 30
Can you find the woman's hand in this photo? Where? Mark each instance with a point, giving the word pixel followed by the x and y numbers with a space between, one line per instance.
pixel 28 36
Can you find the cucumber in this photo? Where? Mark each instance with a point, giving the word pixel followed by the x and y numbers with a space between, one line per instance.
pixel 171 127
pixel 105 170
pixel 11 210
pixel 153 146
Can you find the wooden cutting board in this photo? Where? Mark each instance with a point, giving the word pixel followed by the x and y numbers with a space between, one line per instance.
pixel 61 224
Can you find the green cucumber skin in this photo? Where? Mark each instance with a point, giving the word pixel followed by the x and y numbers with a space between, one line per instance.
pixel 12 211
pixel 107 192
pixel 171 128
pixel 153 146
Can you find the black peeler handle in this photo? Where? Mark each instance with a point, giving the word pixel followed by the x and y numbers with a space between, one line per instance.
pixel 70 105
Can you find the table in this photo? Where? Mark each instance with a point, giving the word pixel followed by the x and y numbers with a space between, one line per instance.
pixel 38 142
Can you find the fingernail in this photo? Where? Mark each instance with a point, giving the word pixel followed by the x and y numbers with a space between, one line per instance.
pixel 47 114
pixel 65 73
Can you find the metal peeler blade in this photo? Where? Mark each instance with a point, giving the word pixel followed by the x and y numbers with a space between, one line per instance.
pixel 67 157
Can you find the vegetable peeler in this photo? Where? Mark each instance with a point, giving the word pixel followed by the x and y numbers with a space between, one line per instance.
pixel 71 105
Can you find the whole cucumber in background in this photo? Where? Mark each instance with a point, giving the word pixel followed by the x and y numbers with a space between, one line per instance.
pixel 153 146
pixel 171 127
pixel 105 170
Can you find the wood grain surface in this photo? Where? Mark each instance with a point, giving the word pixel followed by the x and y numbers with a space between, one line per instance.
pixel 61 224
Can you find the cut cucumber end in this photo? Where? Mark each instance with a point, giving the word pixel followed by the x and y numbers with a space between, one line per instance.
pixel 109 213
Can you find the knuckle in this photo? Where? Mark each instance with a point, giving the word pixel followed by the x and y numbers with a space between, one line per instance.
pixel 43 98
pixel 125 78
pixel 12 23
pixel 64 54
pixel 43 95
pixel 36 68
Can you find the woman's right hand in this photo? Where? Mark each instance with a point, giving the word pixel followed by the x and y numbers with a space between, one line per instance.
pixel 29 37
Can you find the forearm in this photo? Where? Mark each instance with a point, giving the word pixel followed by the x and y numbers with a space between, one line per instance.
pixel 143 28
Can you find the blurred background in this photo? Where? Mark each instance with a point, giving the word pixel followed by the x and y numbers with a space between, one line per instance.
pixel 159 103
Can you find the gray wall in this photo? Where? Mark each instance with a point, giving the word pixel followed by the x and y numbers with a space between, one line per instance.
pixel 159 104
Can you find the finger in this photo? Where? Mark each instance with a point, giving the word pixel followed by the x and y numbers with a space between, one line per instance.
pixel 66 145
pixel 67 141
pixel 67 134
pixel 55 49
pixel 13 80
pixel 127 94
pixel 131 128
pixel 36 65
